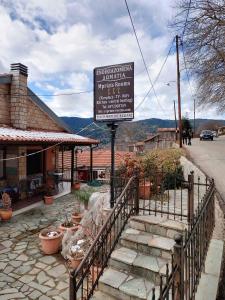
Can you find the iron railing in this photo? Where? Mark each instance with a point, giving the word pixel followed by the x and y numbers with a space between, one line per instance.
pixel 190 201
pixel 189 254
pixel 85 278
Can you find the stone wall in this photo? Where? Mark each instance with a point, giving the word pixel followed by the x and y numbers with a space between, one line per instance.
pixel 38 119
pixel 18 100
pixel 4 104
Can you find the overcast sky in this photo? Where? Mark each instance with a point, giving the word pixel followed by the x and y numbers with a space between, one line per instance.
pixel 61 41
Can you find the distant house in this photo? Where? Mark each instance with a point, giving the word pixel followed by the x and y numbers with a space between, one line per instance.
pixel 99 166
pixel 167 133
pixel 31 136
pixel 152 142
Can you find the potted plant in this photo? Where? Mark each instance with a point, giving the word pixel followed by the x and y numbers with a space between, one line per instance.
pixel 76 185
pixel 68 225
pixel 48 195
pixel 76 253
pixel 6 210
pixel 77 215
pixel 51 240
pixel 83 196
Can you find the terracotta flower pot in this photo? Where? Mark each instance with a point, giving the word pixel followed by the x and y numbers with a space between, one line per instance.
pixel 76 186
pixel 48 200
pixel 5 214
pixel 76 217
pixel 51 245
pixel 63 228
pixel 145 190
pixel 74 262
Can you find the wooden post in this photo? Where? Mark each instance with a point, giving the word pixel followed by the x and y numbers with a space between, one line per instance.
pixel 44 164
pixel 72 166
pixel 179 262
pixel 178 92
pixel 190 197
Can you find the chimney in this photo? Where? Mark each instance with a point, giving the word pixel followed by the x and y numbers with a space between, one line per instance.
pixel 18 103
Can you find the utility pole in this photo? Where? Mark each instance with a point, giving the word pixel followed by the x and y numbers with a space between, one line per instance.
pixel 175 116
pixel 178 92
pixel 194 116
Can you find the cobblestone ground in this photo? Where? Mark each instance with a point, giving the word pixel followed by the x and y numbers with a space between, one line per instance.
pixel 25 272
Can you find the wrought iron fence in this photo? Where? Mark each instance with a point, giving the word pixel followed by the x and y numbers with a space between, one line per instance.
pixel 190 250
pixel 84 279
pixel 174 197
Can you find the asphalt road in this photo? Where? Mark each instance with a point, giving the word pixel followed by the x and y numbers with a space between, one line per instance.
pixel 210 157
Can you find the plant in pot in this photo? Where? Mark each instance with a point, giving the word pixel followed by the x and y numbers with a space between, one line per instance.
pixel 51 240
pixel 77 253
pixel 68 225
pixel 77 215
pixel 83 196
pixel 48 194
pixel 6 210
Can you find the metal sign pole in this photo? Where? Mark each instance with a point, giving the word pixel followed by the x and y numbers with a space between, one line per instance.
pixel 113 128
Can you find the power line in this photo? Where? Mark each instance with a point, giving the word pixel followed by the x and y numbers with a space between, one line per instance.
pixel 139 46
pixel 157 77
pixel 46 95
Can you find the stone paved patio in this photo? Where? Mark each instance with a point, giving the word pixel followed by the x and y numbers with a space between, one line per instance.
pixel 25 272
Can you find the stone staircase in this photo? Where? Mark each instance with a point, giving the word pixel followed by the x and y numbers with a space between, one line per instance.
pixel 142 255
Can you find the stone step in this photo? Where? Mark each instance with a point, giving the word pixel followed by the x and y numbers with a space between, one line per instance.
pixel 123 286
pixel 147 243
pixel 157 225
pixel 98 295
pixel 146 266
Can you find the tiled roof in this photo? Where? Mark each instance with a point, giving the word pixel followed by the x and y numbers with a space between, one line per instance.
pixel 101 158
pixel 151 138
pixel 32 136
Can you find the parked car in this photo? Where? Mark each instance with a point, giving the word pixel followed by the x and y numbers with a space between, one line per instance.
pixel 206 135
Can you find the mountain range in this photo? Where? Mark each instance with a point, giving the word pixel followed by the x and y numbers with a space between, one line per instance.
pixel 131 131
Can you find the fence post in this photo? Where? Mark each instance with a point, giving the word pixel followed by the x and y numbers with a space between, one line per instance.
pixel 179 262
pixel 136 197
pixel 190 196
pixel 73 295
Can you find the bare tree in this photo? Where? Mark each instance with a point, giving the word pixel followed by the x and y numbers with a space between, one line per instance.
pixel 204 46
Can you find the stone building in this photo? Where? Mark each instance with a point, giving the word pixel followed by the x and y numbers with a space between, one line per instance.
pixel 31 138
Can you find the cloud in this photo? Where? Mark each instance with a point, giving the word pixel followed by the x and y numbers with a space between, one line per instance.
pixel 62 41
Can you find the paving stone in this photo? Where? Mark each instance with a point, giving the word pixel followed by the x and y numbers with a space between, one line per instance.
pixel 27 278
pixel 62 285
pixel 137 287
pixel 2 284
pixel 34 271
pixel 23 257
pixel 161 242
pixel 2 266
pixel 6 278
pixel 13 296
pixel 113 278
pixel 8 291
pixel 23 270
pixel 31 262
pixel 35 294
pixel 42 277
pixel 24 288
pixel 125 255
pixel 12 256
pixel 43 297
pixel 15 263
pixel 41 266
pixel 7 243
pixel 50 283
pixel 49 260
pixel 8 269
pixel 39 287
pixel 57 271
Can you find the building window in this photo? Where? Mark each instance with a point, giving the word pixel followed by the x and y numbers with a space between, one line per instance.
pixel 2 163
pixel 34 163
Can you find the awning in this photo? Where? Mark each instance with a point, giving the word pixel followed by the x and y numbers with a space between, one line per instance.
pixel 17 136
